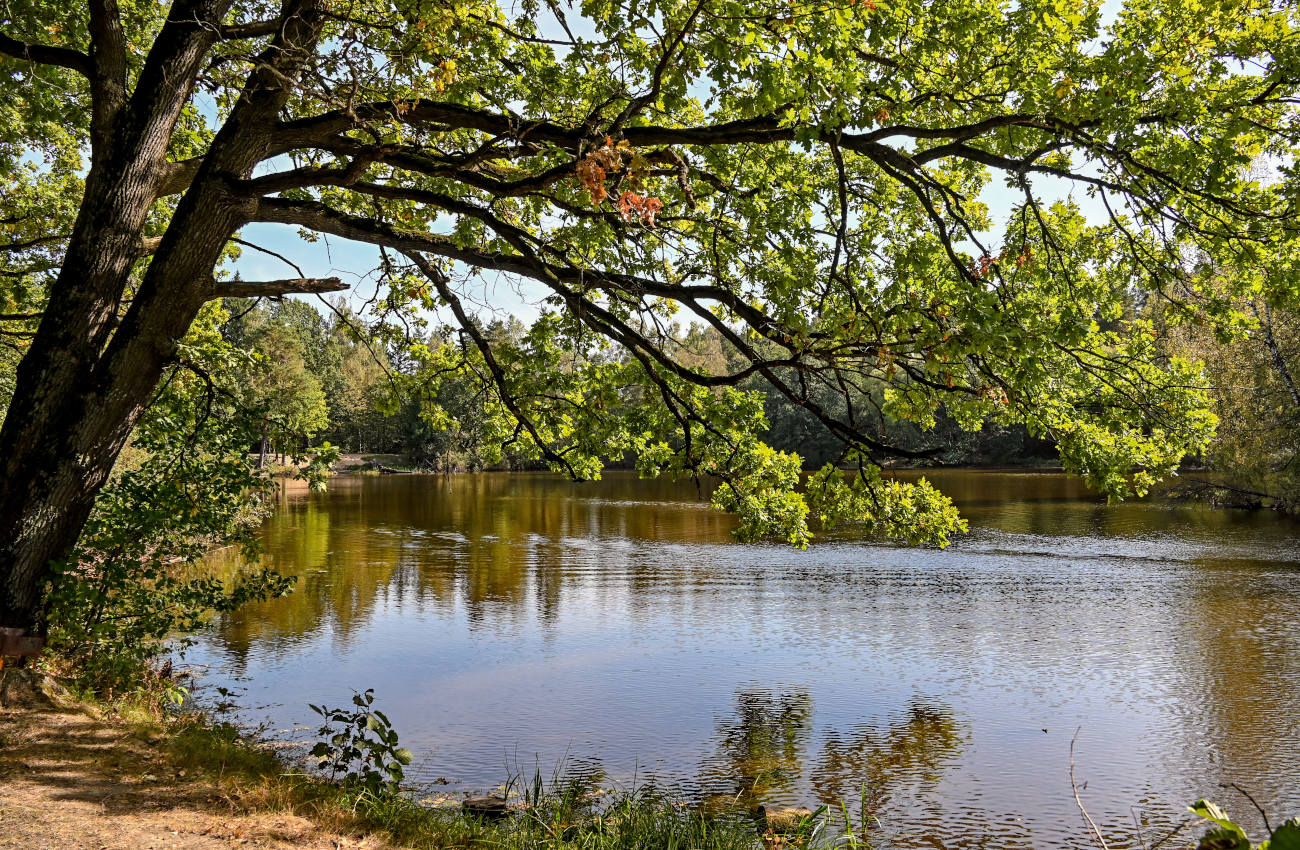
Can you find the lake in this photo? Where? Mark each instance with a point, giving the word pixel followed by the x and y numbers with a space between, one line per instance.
pixel 516 622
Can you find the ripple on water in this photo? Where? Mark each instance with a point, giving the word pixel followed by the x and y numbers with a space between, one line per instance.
pixel 513 624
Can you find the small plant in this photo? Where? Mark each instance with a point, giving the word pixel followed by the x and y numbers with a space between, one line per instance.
pixel 359 745
pixel 1226 835
pixel 136 585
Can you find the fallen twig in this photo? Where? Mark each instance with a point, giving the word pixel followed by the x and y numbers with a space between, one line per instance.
pixel 1075 787
pixel 1268 826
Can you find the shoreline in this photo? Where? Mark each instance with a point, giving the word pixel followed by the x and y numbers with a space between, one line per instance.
pixel 83 775
pixel 76 774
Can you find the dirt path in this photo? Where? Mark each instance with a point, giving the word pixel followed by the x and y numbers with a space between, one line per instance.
pixel 70 780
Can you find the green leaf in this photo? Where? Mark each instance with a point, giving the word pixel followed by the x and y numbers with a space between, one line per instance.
pixel 1211 812
pixel 1286 836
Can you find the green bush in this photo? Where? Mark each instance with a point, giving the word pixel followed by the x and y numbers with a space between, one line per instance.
pixel 185 485
pixel 359 745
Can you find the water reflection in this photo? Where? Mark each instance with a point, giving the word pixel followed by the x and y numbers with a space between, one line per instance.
pixel 512 621
pixel 762 751
pixel 1243 640
pixel 496 544
pixel 869 763
pixel 760 746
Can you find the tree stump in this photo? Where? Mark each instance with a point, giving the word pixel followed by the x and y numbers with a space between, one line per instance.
pixel 487 808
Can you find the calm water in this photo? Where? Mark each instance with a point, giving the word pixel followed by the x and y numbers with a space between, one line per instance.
pixel 508 622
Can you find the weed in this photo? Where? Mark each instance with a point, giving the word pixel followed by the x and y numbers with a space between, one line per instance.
pixel 360 745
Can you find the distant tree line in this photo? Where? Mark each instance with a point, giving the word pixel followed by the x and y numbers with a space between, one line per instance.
pixel 797 429
pixel 329 376
pixel 1254 460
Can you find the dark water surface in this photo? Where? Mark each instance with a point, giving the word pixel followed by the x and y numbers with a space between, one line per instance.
pixel 511 621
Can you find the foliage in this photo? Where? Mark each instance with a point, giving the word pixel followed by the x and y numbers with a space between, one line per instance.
pixel 1255 459
pixel 319 466
pixel 283 389
pixel 361 389
pixel 563 814
pixel 891 212
pixel 913 511
pixel 185 486
pixel 393 403
pixel 1226 835
pixel 793 428
pixel 361 745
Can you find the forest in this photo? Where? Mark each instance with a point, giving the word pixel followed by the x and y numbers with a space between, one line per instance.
pixel 329 376
pixel 315 373
pixel 795 253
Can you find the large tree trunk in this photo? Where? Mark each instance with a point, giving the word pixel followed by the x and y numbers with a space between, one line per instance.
pixel 59 444
pixel 82 386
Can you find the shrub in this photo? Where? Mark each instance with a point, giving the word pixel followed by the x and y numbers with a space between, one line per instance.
pixel 359 745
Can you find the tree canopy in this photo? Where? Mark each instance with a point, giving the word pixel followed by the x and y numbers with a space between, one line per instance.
pixel 1254 460
pixel 955 201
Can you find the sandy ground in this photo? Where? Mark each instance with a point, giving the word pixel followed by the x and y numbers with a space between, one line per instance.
pixel 73 781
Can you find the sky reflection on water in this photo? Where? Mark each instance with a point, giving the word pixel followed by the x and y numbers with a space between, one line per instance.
pixel 511 622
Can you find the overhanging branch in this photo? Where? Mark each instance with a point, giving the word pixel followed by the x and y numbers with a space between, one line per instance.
pixel 44 54
pixel 288 286
pixel 499 380
pixel 251 29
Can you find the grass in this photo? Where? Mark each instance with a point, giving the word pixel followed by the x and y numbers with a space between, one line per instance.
pixel 560 814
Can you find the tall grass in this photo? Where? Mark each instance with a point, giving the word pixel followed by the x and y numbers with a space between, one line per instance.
pixel 562 813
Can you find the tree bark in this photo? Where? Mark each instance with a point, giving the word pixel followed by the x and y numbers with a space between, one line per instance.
pixel 87 377
pixel 1275 351
pixel 60 444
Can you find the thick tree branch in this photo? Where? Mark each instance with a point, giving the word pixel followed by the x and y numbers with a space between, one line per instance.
pixel 44 54
pixel 321 218
pixel 252 29
pixel 177 176
pixel 108 49
pixel 263 288
pixel 167 76
pixel 306 132
pixel 36 242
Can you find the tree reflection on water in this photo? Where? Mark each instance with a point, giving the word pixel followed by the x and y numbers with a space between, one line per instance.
pixel 871 763
pixel 760 747
pixel 761 753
